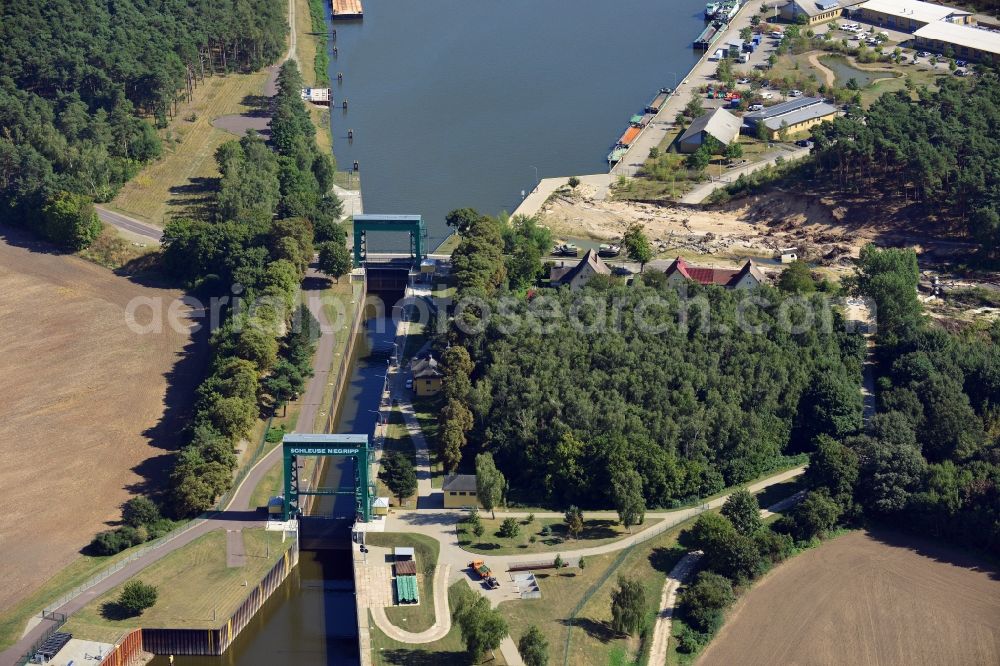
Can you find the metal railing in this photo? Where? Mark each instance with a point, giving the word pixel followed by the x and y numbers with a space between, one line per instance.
pixel 146 548
pixel 59 619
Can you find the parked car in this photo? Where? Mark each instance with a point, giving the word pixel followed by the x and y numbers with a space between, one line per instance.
pixel 620 271
pixel 961 63
pixel 743 81
pixel 923 54
pixel 756 107
pixel 767 95
pixel 796 93
pixel 960 72
pixel 804 143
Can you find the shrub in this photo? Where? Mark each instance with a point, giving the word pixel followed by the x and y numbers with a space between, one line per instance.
pixel 703 603
pixel 140 511
pixel 274 435
pixel 690 641
pixel 574 181
pixel 509 528
pixel 136 597
pixel 530 519
pixel 106 543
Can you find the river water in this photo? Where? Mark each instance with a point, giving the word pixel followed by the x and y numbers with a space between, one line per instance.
pixel 452 102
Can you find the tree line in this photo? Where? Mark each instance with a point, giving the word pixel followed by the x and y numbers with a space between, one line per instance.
pixel 941 150
pixel 273 208
pixel 930 460
pixel 79 82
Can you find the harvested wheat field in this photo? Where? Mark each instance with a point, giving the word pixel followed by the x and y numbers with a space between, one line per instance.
pixel 867 598
pixel 85 419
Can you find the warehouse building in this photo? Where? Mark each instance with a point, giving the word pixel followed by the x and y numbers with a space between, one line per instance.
pixel 909 15
pixel 720 124
pixel 817 11
pixel 795 116
pixel 964 41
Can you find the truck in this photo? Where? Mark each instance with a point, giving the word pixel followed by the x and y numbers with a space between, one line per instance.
pixel 485 574
pixel 480 568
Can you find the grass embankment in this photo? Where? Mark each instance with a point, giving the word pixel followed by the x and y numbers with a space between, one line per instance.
pixel 182 181
pixel 426 410
pixel 596 532
pixel 311 52
pixel 14 620
pixel 397 439
pixel 426 549
pixel 196 588
pixel 449 651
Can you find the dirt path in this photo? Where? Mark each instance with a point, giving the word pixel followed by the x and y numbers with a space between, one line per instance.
pixel 867 598
pixel 827 73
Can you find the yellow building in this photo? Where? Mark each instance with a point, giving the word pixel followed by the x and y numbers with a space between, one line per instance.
pixel 965 42
pixel 793 116
pixel 460 491
pixel 909 15
pixel 428 378
pixel 817 11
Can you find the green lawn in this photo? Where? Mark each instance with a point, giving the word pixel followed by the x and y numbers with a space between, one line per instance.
pixel 575 607
pixel 397 439
pixel 12 622
pixel 420 617
pixel 426 410
pixel 595 532
pixel 196 588
pixel 449 651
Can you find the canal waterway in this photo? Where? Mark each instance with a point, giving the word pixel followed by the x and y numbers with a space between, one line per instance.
pixel 453 102
pixel 311 620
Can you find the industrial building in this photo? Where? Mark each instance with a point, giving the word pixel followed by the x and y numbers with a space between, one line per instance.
pixel 817 11
pixel 719 124
pixel 964 41
pixel 909 15
pixel 794 116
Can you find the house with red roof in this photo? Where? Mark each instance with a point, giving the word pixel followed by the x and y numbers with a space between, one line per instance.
pixel 747 277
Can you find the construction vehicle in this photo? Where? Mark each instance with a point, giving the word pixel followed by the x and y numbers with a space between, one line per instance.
pixel 480 568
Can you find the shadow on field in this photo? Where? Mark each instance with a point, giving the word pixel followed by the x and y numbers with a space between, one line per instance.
pixel 598 630
pixel 405 657
pixel 169 432
pixel 940 552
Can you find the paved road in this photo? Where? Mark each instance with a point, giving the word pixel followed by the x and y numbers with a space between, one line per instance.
pixel 129 224
pixel 701 192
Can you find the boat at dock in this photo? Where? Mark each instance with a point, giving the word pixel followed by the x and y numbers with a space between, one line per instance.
pixel 616 155
pixel 609 250
pixel 347 9
pixel 630 135
pixel 707 37
pixel 658 101
pixel 710 10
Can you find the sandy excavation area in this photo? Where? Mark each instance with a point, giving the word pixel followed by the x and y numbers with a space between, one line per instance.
pixel 85 416
pixel 864 599
pixel 756 226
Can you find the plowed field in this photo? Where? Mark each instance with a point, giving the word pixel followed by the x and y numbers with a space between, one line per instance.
pixel 865 598
pixel 85 418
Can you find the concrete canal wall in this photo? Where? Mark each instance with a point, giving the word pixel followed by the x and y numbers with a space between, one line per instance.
pixel 201 642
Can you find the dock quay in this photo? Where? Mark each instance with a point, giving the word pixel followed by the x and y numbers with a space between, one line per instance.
pixel 347 9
